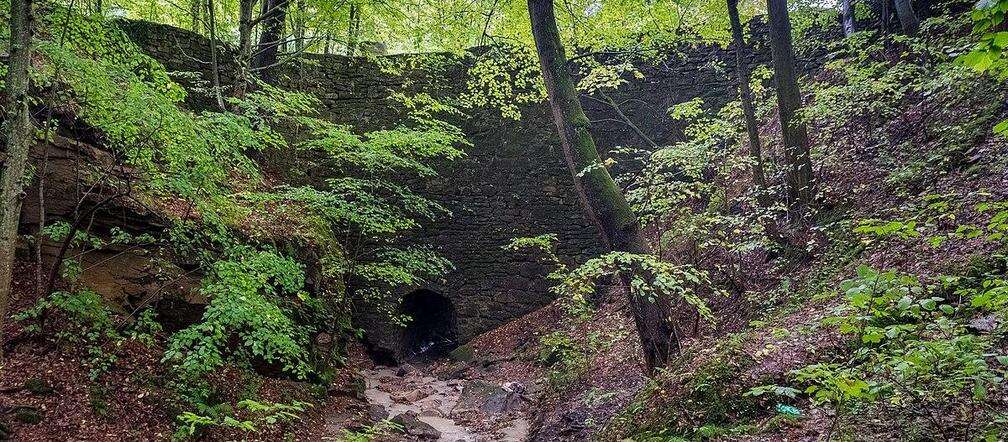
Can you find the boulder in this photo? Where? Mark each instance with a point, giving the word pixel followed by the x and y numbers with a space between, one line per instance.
pixel 405 370
pixel 432 413
pixel 377 413
pixel 430 407
pixel 411 396
pixel 416 429
pixel 416 395
pixel 354 387
pixel 515 387
pixel 490 397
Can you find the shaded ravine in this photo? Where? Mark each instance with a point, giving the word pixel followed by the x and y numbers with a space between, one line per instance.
pixel 436 402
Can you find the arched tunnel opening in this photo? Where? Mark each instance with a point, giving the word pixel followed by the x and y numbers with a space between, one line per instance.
pixel 431 332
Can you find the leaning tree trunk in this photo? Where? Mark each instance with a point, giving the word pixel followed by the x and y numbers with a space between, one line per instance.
pixel 793 130
pixel 745 96
pixel 18 131
pixel 907 17
pixel 603 201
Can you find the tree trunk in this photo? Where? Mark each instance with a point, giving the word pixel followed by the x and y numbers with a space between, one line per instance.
pixel 299 26
pixel 886 15
pixel 214 64
pixel 242 79
pixel 353 27
pixel 195 8
pixel 273 20
pixel 745 97
pixel 794 132
pixel 908 19
pixel 17 144
pixel 847 17
pixel 603 202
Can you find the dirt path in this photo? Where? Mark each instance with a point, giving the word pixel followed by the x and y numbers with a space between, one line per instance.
pixel 458 409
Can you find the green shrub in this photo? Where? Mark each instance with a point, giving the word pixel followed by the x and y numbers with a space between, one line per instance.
pixel 85 321
pixel 565 359
pixel 251 296
pixel 913 361
pixel 257 414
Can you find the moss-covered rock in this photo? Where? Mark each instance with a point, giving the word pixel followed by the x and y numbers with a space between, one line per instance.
pixel 38 386
pixel 27 415
pixel 463 353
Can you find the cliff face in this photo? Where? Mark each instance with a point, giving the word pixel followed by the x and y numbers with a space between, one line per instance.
pixel 513 181
pixel 131 276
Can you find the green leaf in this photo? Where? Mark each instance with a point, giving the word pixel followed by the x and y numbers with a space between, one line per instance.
pixel 1002 127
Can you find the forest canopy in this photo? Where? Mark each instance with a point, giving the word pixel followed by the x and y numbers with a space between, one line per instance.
pixel 432 26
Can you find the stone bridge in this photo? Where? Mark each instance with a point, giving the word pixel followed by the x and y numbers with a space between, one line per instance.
pixel 513 182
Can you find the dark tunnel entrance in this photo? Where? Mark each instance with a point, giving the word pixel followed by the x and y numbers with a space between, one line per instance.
pixel 431 333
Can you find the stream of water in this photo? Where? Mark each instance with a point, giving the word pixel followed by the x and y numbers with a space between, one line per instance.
pixel 434 400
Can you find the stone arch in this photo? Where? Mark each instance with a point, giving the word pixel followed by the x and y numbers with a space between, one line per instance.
pixel 432 331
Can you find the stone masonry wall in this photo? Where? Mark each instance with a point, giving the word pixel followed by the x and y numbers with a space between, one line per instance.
pixel 513 181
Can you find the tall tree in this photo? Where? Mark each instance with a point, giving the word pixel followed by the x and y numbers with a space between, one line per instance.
pixel 298 25
pixel 745 97
pixel 273 18
pixel 214 65
pixel 245 27
pixel 18 132
pixel 353 29
pixel 793 130
pixel 601 199
pixel 195 16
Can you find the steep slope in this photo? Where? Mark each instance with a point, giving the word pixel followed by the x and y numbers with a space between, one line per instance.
pixel 912 181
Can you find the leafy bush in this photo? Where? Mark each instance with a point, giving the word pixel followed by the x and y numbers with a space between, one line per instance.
pixel 565 359
pixel 651 279
pixel 259 414
pixel 86 321
pixel 251 297
pixel 372 432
